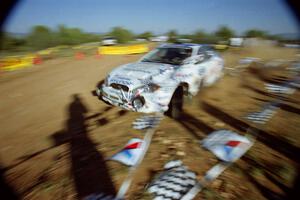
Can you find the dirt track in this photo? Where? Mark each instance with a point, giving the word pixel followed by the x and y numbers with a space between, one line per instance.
pixel 44 158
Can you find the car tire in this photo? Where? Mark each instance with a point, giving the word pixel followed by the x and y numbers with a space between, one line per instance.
pixel 176 104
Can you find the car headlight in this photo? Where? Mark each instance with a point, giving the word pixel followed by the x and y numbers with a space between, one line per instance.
pixel 138 102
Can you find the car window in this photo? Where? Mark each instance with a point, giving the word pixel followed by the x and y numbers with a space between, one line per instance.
pixel 203 51
pixel 170 55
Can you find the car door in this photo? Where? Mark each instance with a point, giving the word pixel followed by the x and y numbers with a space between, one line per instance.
pixel 198 69
pixel 191 71
pixel 210 67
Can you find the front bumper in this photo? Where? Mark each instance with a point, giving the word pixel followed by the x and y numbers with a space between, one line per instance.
pixel 116 98
pixel 113 97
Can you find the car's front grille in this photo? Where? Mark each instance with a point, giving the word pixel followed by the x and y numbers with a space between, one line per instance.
pixel 119 87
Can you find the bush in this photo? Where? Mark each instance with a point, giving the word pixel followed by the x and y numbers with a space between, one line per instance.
pixel 253 33
pixel 146 35
pixel 224 33
pixel 202 37
pixel 10 43
pixel 42 37
pixel 172 35
pixel 121 34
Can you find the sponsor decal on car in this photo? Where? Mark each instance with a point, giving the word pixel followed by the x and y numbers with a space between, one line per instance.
pixel 137 70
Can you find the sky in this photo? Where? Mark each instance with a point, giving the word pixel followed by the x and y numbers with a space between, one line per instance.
pixel 158 16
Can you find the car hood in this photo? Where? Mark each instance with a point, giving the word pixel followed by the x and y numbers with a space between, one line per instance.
pixel 136 74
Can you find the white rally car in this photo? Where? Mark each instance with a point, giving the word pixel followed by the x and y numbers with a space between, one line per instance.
pixel 158 81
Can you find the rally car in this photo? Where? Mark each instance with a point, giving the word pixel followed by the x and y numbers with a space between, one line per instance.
pixel 160 79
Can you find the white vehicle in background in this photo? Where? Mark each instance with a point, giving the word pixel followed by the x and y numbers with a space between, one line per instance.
pixel 161 38
pixel 160 79
pixel 236 42
pixel 109 41
pixel 141 40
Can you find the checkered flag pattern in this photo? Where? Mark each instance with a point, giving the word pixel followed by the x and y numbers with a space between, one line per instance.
pixel 278 89
pixel 147 121
pixel 263 116
pixel 173 183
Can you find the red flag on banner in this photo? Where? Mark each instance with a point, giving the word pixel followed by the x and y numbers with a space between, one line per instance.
pixel 131 153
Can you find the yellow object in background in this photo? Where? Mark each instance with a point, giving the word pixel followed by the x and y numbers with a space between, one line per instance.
pixel 45 52
pixel 117 50
pixel 12 63
pixel 220 46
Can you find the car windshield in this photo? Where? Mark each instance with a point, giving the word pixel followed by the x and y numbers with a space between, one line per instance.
pixel 173 56
pixel 108 38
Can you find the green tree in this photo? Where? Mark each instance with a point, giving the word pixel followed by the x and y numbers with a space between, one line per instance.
pixel 146 35
pixel 74 36
pixel 40 37
pixel 69 36
pixel 255 33
pixel 121 34
pixel 274 37
pixel 62 35
pixel 186 36
pixel 199 36
pixel 224 33
pixel 9 42
pixel 172 34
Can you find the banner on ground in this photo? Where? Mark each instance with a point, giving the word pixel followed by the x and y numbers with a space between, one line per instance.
pixel 227 145
pixel 130 154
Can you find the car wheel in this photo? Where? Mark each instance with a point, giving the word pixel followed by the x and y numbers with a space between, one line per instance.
pixel 176 104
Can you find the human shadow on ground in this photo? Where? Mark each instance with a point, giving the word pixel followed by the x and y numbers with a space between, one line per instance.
pixel 274 142
pixel 194 125
pixel 269 94
pixel 294 193
pixel 277 143
pixel 6 190
pixel 265 77
pixel 283 106
pixel 271 170
pixel 264 190
pixel 24 158
pixel 88 168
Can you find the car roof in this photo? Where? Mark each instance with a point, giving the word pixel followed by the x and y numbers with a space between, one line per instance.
pixel 182 45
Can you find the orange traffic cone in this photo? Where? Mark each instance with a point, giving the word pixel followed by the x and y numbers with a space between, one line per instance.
pixel 37 60
pixel 79 55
